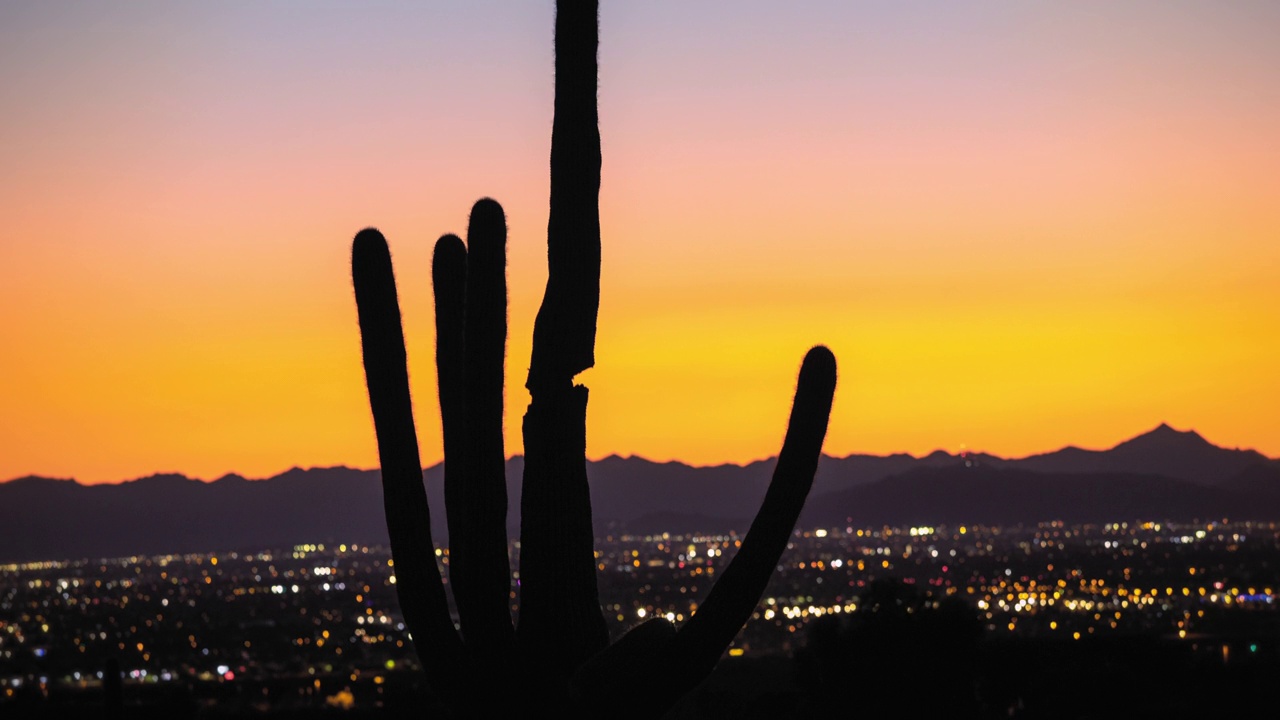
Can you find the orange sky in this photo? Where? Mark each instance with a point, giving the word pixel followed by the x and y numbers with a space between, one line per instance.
pixel 1017 228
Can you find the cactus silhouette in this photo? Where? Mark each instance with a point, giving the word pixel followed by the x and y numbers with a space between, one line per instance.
pixel 557 658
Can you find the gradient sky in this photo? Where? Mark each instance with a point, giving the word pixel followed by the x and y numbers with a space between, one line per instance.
pixel 1017 225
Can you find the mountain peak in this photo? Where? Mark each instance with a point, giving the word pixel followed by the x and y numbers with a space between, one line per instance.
pixel 1166 429
pixel 1164 435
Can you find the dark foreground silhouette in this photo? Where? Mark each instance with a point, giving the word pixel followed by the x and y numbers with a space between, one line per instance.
pixel 557 659
pixel 877 656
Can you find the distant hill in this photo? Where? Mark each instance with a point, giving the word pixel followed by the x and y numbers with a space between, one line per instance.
pixel 1163 451
pixel 1002 496
pixel 50 519
pixel 1164 473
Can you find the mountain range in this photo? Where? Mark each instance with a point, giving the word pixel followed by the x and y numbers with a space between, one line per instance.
pixel 1162 474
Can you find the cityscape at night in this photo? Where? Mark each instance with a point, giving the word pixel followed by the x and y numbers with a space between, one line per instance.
pixel 316 627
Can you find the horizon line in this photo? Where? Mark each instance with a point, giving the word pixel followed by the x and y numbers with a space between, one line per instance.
pixel 962 453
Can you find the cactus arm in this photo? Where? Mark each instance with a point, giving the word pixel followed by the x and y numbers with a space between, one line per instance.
pixel 418 583
pixel 654 664
pixel 449 288
pixel 736 593
pixel 559 600
pixel 483 580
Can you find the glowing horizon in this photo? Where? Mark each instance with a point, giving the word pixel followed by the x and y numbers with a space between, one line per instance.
pixel 1017 228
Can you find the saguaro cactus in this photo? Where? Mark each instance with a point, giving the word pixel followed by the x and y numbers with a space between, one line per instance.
pixel 558 659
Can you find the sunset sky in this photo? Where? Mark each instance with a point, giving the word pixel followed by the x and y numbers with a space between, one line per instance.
pixel 1017 225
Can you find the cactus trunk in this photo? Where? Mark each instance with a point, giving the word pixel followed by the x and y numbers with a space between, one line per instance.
pixel 559 601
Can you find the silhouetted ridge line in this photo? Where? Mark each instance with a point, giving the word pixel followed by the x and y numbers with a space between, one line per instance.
pixel 830 466
pixel 1163 451
pixel 60 518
